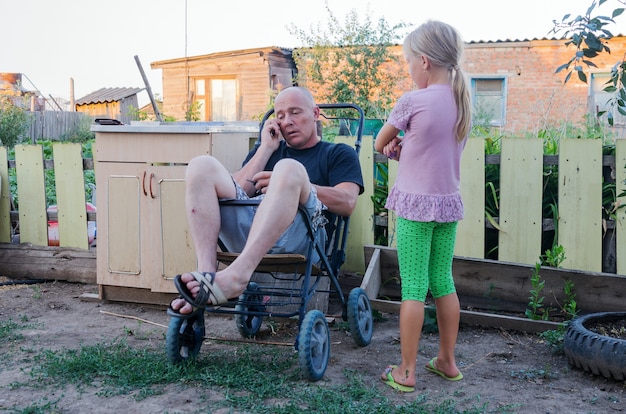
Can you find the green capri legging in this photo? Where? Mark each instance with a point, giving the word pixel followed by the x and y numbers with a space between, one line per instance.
pixel 425 252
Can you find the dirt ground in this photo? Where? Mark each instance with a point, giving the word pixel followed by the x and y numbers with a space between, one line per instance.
pixel 504 371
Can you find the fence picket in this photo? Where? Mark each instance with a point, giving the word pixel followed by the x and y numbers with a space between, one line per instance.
pixel 580 203
pixel 70 190
pixel 470 240
pixel 620 187
pixel 31 192
pixel 5 198
pixel 521 181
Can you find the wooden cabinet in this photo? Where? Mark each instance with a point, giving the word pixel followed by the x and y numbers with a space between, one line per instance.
pixel 143 239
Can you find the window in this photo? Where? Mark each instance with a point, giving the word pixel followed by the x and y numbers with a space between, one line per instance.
pixel 489 99
pixel 216 99
pixel 603 101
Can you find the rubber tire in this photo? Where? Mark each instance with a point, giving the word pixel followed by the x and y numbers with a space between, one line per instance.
pixel 184 337
pixel 598 354
pixel 249 325
pixel 314 345
pixel 360 317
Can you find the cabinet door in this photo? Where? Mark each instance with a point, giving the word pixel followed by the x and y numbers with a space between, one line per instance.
pixel 119 246
pixel 173 240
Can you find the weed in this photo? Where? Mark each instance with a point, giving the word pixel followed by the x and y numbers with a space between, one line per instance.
pixel 36 292
pixel 8 332
pixel 536 310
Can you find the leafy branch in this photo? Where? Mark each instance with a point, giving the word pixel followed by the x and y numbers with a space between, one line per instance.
pixel 589 35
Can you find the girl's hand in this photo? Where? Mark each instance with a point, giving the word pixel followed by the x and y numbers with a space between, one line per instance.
pixel 393 148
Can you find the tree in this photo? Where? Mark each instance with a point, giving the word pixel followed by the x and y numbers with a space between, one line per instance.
pixel 14 122
pixel 346 62
pixel 588 33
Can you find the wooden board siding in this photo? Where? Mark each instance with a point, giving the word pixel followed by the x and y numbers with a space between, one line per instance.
pixel 252 69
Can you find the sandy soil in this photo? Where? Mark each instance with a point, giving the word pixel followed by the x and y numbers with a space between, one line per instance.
pixel 504 371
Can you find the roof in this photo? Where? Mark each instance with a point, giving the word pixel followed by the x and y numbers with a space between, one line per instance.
pixel 261 51
pixel 108 95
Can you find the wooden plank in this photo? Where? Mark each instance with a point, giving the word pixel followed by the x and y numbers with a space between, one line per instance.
pixel 371 280
pixel 392 170
pixel 70 190
pixel 498 284
pixel 580 203
pixel 31 189
pixel 521 181
pixel 363 230
pixel 5 198
pixel 27 261
pixel 470 239
pixel 485 320
pixel 620 187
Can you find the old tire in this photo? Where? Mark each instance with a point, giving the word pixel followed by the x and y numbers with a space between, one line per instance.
pixel 598 354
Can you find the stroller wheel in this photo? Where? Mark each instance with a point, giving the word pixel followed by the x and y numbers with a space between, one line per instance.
pixel 184 337
pixel 314 345
pixel 249 324
pixel 360 317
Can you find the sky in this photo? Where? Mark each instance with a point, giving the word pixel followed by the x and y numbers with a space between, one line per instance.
pixel 52 42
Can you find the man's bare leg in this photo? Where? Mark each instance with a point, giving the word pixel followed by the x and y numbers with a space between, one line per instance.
pixel 289 187
pixel 206 181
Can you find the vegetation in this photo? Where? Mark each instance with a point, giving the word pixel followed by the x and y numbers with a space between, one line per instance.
pixel 589 34
pixel 14 122
pixel 249 378
pixel 346 61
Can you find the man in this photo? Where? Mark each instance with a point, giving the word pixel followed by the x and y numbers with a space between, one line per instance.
pixel 291 167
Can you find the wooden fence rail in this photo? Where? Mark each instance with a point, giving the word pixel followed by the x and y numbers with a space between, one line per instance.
pixel 580 227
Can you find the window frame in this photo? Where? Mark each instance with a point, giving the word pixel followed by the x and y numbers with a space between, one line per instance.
pixel 206 111
pixel 503 96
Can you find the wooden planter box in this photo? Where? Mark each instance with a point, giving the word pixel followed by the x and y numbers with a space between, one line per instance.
pixel 489 287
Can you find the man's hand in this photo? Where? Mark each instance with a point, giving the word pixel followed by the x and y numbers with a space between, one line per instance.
pixel 271 135
pixel 261 180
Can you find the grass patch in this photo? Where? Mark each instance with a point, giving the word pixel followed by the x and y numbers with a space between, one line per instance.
pixel 9 332
pixel 251 378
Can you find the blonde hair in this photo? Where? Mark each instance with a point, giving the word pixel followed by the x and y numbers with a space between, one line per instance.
pixel 443 45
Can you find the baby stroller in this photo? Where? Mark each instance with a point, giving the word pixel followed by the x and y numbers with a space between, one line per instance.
pixel 295 280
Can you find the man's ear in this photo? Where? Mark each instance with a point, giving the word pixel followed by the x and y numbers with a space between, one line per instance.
pixel 316 112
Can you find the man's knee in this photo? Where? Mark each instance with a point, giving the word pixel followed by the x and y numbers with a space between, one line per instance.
pixel 203 165
pixel 290 169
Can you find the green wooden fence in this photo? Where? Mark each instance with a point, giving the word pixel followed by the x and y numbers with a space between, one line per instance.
pixel 580 226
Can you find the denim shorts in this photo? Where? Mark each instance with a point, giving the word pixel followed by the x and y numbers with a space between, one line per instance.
pixel 236 223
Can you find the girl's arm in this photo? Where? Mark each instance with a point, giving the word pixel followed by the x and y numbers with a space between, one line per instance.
pixel 387 141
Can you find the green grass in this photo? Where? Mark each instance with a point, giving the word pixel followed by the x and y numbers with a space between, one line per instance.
pixel 251 378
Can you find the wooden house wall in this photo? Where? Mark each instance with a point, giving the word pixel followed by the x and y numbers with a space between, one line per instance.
pixel 115 110
pixel 252 71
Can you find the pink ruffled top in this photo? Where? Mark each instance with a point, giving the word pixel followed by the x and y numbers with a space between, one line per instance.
pixel 428 184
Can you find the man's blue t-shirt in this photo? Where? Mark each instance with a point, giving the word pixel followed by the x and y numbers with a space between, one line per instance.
pixel 327 164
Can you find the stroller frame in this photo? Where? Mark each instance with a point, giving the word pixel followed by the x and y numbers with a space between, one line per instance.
pixel 302 278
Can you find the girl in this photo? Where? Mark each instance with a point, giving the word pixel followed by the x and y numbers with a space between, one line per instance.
pixel 436 120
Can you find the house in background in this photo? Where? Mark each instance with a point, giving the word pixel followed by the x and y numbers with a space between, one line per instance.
pixel 111 103
pixel 513 83
pixel 228 86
